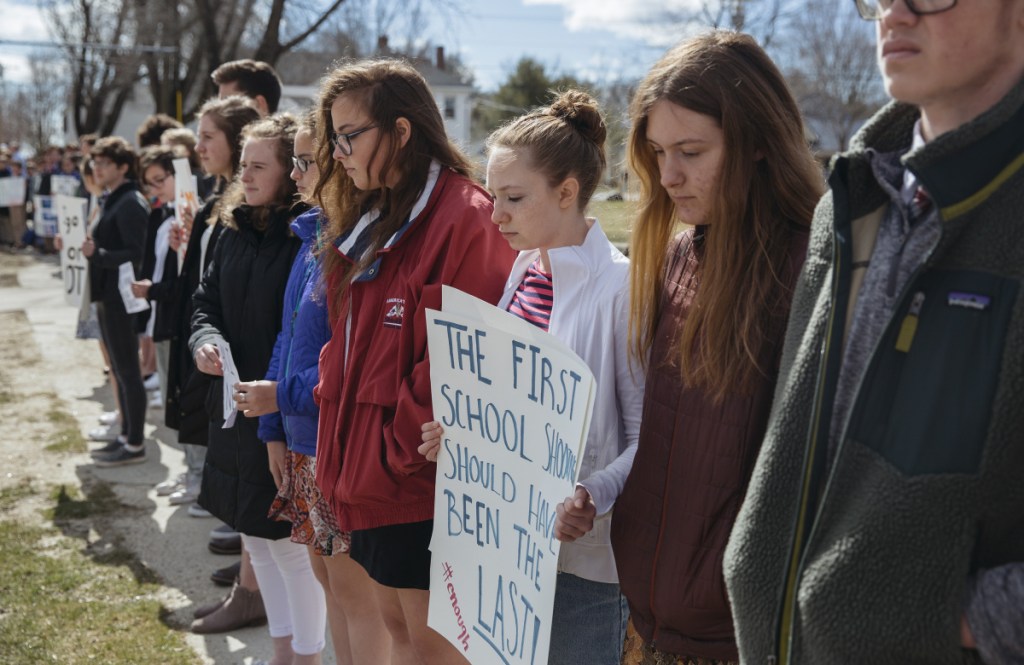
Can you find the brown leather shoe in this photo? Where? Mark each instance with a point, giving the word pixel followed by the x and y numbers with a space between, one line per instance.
pixel 209 608
pixel 240 609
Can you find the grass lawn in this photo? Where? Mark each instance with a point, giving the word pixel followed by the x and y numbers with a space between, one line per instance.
pixel 68 604
pixel 615 217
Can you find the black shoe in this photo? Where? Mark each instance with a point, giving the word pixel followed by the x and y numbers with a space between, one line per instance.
pixel 225 545
pixel 111 447
pixel 121 457
pixel 226 576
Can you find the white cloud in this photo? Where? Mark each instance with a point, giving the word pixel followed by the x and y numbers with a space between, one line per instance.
pixel 635 19
pixel 21 22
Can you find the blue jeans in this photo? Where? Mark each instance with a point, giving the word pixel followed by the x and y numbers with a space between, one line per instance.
pixel 589 622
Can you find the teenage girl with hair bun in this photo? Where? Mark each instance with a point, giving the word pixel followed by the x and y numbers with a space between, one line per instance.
pixel 571 281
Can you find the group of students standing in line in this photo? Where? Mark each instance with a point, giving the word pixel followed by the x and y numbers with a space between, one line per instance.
pixel 779 467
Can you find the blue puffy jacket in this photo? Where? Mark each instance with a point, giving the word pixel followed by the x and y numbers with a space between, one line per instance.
pixel 304 331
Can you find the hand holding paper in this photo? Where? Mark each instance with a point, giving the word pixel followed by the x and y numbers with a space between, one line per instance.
pixel 227 364
pixel 125 279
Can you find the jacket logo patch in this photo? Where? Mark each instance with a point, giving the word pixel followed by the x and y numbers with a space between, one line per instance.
pixel 968 300
pixel 395 312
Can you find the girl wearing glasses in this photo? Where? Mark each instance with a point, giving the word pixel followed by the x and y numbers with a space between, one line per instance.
pixel 240 302
pixel 288 423
pixel 405 218
pixel 717 144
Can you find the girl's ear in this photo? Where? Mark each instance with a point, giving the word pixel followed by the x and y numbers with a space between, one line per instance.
pixel 404 129
pixel 568 193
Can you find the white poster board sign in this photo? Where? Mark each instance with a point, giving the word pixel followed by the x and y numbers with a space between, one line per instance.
pixel 12 192
pixel 63 185
pixel 71 216
pixel 44 216
pixel 515 404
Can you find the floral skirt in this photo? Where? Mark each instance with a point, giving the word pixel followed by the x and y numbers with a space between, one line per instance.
pixel 636 652
pixel 301 503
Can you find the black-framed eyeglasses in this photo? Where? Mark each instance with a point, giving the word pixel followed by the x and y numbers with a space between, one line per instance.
pixel 301 164
pixel 343 142
pixel 871 10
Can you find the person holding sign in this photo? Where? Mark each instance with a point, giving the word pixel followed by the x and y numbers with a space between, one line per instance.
pixel 220 128
pixel 542 170
pixel 239 304
pixel 118 237
pixel 405 219
pixel 716 143
pixel 288 424
pixel 160 288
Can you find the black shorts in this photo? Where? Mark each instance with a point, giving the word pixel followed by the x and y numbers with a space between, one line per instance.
pixel 395 556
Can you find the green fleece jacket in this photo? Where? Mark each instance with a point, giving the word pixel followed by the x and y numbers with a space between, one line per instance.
pixel 865 554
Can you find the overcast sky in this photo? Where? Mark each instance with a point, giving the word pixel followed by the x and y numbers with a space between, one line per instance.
pixel 601 40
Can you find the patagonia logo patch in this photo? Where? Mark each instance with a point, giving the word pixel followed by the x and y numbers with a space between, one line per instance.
pixel 968 300
pixel 394 312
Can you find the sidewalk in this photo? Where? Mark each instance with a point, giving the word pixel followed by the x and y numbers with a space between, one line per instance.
pixel 164 537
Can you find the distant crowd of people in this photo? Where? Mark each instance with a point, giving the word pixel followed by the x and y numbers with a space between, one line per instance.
pixel 806 440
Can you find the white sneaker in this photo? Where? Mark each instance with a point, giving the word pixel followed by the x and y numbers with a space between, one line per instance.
pixel 195 510
pixel 105 433
pixel 152 382
pixel 171 485
pixel 109 417
pixel 156 400
pixel 182 496
pixel 223 532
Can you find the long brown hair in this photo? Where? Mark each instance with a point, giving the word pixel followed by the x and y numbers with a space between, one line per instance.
pixel 387 90
pixel 766 190
pixel 230 115
pixel 280 129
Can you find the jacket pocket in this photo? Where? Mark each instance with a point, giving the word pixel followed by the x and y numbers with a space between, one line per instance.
pixel 926 399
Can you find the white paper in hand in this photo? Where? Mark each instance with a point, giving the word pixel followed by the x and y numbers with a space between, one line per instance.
pixel 125 277
pixel 230 379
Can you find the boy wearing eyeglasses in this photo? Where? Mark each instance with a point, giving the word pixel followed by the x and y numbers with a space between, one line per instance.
pixel 884 522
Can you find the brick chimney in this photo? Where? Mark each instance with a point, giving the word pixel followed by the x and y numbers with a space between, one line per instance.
pixel 440 58
pixel 382 44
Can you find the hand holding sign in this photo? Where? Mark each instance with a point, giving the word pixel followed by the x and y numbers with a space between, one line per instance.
pixel 431 446
pixel 575 516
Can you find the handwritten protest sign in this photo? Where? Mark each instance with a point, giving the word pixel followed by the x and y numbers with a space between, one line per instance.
pixel 12 192
pixel 71 215
pixel 44 216
pixel 515 404
pixel 63 185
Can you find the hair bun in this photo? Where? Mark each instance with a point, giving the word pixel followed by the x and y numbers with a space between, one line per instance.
pixel 580 110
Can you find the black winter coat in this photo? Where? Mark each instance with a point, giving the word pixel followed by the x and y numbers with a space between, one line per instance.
pixel 185 408
pixel 120 237
pixel 161 293
pixel 239 301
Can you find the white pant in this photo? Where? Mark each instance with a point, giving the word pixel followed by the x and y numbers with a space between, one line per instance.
pixel 292 596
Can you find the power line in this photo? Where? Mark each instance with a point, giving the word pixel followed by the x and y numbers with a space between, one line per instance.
pixel 93 46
